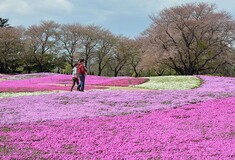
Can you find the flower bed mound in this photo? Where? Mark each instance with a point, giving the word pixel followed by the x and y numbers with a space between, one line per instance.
pixel 124 82
pixel 51 82
pixel 198 131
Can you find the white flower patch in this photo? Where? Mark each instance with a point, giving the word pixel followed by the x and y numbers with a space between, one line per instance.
pixel 171 83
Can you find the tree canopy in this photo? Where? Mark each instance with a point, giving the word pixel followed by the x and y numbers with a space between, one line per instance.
pixel 192 38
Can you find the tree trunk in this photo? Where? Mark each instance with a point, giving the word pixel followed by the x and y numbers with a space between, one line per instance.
pixel 135 70
pixel 1 68
pixel 40 68
pixel 99 70
pixel 115 73
pixel 99 73
pixel 29 70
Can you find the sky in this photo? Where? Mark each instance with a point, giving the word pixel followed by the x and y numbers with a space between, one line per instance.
pixel 121 17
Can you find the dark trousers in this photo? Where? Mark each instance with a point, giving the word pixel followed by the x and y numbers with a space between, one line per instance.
pixel 75 81
pixel 82 82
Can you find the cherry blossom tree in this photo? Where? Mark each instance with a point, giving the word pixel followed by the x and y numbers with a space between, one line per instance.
pixel 192 38
pixel 41 42
pixel 10 47
pixel 69 38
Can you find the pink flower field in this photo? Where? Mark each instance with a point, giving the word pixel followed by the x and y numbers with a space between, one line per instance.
pixel 109 124
pixel 50 82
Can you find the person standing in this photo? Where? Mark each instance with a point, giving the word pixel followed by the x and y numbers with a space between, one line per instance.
pixel 82 71
pixel 74 76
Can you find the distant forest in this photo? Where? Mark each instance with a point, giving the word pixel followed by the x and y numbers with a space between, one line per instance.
pixel 193 38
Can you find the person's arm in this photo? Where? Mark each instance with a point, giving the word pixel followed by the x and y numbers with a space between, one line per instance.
pixel 75 72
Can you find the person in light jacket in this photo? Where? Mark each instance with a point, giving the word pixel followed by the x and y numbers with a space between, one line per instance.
pixel 75 76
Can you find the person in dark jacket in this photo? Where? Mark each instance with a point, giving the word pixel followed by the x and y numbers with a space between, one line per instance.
pixel 82 71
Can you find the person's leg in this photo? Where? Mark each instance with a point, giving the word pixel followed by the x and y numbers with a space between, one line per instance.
pixel 79 84
pixel 72 85
pixel 83 83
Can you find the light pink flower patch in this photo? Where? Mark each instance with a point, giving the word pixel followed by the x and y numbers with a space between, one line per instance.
pixel 197 131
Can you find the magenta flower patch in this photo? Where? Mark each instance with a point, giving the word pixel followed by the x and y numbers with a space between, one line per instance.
pixel 50 82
